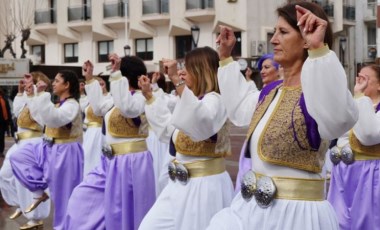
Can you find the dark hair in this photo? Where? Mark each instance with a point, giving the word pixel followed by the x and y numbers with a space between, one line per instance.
pixel 132 67
pixel 375 68
pixel 288 12
pixel 269 56
pixel 72 78
pixel 161 82
pixel 202 64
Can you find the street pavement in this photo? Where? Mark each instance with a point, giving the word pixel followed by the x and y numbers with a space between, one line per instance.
pixel 237 138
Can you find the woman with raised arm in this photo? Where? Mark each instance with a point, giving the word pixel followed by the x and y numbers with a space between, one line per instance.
pixel 289 121
pixel 93 138
pixel 118 192
pixel 57 162
pixel 354 189
pixel 29 130
pixel 198 134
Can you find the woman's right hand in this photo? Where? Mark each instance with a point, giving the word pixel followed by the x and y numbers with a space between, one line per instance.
pixel 171 67
pixel 21 86
pixel 226 42
pixel 361 83
pixel 87 70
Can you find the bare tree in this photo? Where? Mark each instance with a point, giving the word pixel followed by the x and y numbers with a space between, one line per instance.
pixel 7 27
pixel 24 18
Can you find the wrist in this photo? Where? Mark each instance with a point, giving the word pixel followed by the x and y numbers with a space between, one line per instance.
pixel 179 83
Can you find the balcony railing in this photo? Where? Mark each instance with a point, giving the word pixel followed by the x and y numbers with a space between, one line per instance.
pixel 371 10
pixel 156 7
pixel 199 4
pixel 82 13
pixel 45 16
pixel 329 9
pixel 349 12
pixel 115 9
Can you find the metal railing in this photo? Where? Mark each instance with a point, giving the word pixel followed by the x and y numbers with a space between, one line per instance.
pixel 199 4
pixel 79 13
pixel 156 7
pixel 349 12
pixel 45 16
pixel 115 9
pixel 371 10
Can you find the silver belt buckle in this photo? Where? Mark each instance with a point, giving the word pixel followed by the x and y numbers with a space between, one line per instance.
pixel 16 138
pixel 345 154
pixel 107 151
pixel 178 171
pixel 48 140
pixel 262 189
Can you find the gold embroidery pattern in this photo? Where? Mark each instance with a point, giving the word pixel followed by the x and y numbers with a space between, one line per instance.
pixel 91 117
pixel 205 148
pixel 357 147
pixel 64 132
pixel 277 144
pixel 119 126
pixel 26 121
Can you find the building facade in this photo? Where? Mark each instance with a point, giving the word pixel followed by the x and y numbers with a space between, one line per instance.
pixel 69 32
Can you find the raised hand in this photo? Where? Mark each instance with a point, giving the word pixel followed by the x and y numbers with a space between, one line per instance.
pixel 87 70
pixel 29 88
pixel 226 42
pixel 21 86
pixel 41 86
pixel 155 77
pixel 144 84
pixel 312 28
pixel 361 83
pixel 171 66
pixel 115 62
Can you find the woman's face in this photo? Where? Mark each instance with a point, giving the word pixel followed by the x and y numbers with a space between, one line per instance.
pixel 59 86
pixel 288 43
pixel 373 88
pixel 103 85
pixel 268 72
pixel 185 76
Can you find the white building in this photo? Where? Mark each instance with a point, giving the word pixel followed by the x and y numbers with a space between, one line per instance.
pixel 69 32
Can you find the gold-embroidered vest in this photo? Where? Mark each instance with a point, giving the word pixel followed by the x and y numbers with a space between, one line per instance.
pixel 91 117
pixel 120 126
pixel 283 140
pixel 357 147
pixel 72 131
pixel 220 147
pixel 26 121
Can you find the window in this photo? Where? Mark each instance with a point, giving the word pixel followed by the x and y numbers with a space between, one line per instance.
pixel 144 48
pixel 71 52
pixel 236 52
pixel 104 49
pixel 183 46
pixel 38 52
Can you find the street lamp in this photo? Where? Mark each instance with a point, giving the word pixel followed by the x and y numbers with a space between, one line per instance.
pixel 343 46
pixel 127 50
pixel 195 35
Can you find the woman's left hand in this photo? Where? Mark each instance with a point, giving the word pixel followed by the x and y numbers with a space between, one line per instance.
pixel 312 28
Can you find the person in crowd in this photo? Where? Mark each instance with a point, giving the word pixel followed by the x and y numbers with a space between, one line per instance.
pixel 93 138
pixel 118 192
pixel 355 190
pixel 29 131
pixel 57 162
pixel 269 69
pixel 291 122
pixel 5 117
pixel 198 135
pixel 159 149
